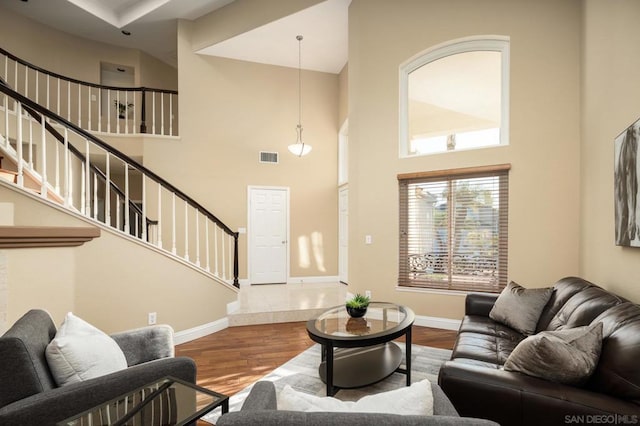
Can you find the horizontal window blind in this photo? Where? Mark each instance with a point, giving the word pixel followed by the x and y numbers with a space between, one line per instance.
pixel 453 229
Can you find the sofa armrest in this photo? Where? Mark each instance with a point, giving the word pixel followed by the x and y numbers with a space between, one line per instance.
pixel 261 397
pixel 53 406
pixel 510 397
pixel 146 343
pixel 479 304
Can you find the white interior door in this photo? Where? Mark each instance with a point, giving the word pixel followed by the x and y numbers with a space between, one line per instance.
pixel 268 225
pixel 343 234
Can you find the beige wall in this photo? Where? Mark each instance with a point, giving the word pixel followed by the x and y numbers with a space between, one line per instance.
pixel 230 111
pixel 544 148
pixel 112 282
pixel 610 93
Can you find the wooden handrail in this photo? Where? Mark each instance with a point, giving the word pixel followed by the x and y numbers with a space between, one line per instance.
pixel 84 83
pixel 35 108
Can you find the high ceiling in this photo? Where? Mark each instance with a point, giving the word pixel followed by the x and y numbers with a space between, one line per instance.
pixel 153 28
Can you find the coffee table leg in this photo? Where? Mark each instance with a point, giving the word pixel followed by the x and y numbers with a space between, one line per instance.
pixel 329 366
pixel 408 355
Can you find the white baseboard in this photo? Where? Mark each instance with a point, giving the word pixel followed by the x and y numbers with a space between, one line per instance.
pixel 436 322
pixel 190 334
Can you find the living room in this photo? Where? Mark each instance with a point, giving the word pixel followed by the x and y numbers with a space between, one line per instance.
pixel 569 99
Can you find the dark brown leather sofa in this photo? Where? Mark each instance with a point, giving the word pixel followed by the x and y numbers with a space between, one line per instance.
pixel 478 386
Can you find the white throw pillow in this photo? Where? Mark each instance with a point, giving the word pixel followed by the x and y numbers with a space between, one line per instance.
pixel 80 351
pixel 416 399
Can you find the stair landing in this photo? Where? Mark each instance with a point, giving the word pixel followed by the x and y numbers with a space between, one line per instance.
pixel 275 303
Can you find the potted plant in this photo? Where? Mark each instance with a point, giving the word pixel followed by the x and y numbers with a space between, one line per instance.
pixel 122 108
pixel 357 306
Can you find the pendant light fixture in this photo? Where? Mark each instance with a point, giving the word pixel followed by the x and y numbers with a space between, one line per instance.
pixel 299 148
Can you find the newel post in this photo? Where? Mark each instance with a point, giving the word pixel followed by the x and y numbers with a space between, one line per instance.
pixel 235 260
pixel 143 112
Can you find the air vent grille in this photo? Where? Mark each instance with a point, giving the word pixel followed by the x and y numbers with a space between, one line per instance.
pixel 268 157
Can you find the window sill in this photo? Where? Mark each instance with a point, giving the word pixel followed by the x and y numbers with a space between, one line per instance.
pixel 438 291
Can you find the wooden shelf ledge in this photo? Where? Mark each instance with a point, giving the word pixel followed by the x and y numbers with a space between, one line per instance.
pixel 45 236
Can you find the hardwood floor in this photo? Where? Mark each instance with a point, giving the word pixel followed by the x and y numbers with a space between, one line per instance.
pixel 231 359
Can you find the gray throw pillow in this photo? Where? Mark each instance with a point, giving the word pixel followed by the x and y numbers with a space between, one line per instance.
pixel 566 356
pixel 519 307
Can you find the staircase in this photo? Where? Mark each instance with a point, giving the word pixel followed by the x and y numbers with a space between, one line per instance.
pixel 49 155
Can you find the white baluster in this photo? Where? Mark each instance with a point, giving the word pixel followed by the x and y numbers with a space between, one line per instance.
pixel 153 113
pixel 6 121
pixel 37 87
pixel 109 110
pixel 83 184
pixel 99 110
pixel 58 98
pixel 224 264
pixel 48 95
pixel 206 241
pixel 68 100
pixel 215 248
pixel 127 225
pixel 118 112
pixel 159 215
pixel 43 153
pixel 197 239
pixel 173 224
pixel 133 108
pixel 162 113
pixel 57 168
pixel 126 113
pixel 170 114
pixel 15 75
pixel 186 231
pixel 143 220
pixel 95 196
pixel 107 191
pixel 26 81
pixel 30 121
pixel 19 143
pixel 89 108
pixel 87 171
pixel 66 167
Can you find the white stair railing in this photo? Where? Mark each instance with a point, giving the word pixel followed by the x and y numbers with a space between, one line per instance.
pixel 94 107
pixel 95 180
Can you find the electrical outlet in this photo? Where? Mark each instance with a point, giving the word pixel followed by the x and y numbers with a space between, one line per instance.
pixel 152 318
pixel 367 293
pixel 368 239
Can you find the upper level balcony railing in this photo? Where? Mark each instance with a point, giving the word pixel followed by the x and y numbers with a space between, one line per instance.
pixel 94 107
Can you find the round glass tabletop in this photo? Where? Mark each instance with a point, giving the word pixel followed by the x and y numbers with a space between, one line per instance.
pixel 381 319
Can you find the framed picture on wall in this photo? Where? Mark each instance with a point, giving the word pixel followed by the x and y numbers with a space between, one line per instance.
pixel 627 208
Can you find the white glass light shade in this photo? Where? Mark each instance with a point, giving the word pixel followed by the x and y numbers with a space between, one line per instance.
pixel 299 149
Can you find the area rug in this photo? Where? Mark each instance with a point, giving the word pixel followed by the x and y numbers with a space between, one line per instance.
pixel 301 373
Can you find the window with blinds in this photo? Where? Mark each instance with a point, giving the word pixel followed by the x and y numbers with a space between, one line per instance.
pixel 453 229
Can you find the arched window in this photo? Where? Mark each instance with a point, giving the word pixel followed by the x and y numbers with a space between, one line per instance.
pixel 455 96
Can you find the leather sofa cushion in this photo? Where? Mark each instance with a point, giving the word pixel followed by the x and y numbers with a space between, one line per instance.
pixel 563 290
pixel 584 307
pixel 485 325
pixel 617 372
pixel 484 347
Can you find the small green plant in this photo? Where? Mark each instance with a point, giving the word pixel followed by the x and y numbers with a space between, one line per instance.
pixel 358 302
pixel 122 108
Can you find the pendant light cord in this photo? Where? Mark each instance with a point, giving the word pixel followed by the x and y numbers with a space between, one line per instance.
pixel 299 38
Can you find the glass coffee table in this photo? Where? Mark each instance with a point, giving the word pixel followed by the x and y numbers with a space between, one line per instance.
pixel 169 401
pixel 364 352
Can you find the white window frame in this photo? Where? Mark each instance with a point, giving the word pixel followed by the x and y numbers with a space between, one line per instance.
pixel 468 44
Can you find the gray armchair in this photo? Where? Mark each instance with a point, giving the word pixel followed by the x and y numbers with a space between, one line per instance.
pixel 260 409
pixel 28 392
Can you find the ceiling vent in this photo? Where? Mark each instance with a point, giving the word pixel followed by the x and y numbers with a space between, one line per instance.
pixel 268 157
